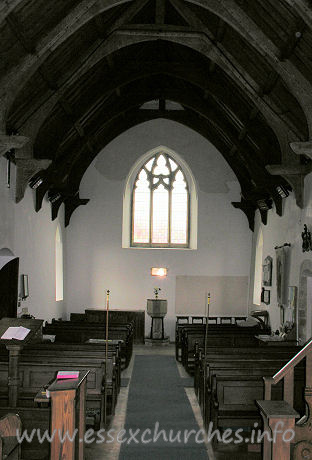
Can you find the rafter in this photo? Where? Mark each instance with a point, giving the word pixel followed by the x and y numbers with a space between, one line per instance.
pixel 241 82
pixel 17 29
pixel 224 97
pixel 231 13
pixel 195 103
pixel 197 42
pixel 189 118
pixel 303 8
pixel 160 11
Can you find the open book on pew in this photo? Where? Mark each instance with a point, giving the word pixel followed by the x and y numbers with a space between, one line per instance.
pixel 18 333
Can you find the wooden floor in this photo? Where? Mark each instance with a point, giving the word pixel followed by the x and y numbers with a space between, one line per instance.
pixel 110 451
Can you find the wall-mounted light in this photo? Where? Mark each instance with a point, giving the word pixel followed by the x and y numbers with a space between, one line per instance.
pixel 35 182
pixel 24 291
pixel 24 287
pixel 282 191
pixel 54 197
pixel 161 272
pixel 264 205
pixel 10 157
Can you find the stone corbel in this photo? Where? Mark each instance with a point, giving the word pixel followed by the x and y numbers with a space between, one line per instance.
pixel 11 142
pixel 26 168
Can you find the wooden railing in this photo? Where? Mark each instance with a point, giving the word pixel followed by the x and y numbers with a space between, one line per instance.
pixel 303 429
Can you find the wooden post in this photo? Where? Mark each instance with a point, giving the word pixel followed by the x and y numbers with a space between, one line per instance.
pixel 267 388
pixel 289 387
pixel 280 449
pixel 280 417
pixel 13 377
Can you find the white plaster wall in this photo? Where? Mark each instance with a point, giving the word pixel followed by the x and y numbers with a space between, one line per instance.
pixel 31 237
pixel 280 230
pixel 95 259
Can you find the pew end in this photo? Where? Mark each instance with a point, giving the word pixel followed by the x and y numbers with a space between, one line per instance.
pixel 10 448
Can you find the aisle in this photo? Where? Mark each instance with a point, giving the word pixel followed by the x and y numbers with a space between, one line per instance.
pixel 157 401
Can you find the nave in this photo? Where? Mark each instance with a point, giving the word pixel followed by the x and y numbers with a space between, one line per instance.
pixel 81 389
pixel 184 401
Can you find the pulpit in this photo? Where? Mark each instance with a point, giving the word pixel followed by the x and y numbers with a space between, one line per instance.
pixel 68 400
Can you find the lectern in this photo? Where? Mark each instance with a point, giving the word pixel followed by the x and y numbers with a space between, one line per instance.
pixel 15 346
pixel 68 399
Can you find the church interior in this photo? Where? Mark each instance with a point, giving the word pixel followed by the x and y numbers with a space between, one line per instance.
pixel 155 229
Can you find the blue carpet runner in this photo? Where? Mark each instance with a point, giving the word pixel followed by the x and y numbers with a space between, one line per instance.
pixel 157 402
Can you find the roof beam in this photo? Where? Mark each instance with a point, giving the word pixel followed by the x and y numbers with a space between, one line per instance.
pixel 189 118
pixel 196 103
pixel 17 29
pixel 303 8
pixel 84 11
pixel 236 17
pixel 160 11
pixel 126 17
pixel 6 8
pixel 224 98
pixel 198 42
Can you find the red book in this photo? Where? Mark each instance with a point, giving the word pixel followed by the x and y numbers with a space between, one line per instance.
pixel 67 375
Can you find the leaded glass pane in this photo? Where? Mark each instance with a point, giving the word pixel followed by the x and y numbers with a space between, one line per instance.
pixel 173 164
pixel 141 210
pixel 161 167
pixel 179 210
pixel 149 164
pixel 160 215
pixel 162 177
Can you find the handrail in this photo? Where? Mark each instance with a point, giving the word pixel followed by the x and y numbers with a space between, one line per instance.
pixel 287 373
pixel 292 363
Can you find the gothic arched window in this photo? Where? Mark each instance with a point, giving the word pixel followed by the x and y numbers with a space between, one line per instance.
pixel 160 204
pixel 59 265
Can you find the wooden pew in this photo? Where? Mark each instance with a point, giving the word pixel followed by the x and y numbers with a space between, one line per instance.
pixel 219 394
pixel 256 353
pixel 36 371
pixel 233 337
pixel 32 418
pixel 10 449
pixel 187 322
pixel 233 400
pixel 237 369
pixel 76 332
pixel 83 351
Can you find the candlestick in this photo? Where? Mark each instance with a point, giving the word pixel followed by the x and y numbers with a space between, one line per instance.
pixel 106 354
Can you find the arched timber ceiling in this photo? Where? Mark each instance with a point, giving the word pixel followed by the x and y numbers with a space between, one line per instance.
pixel 76 74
